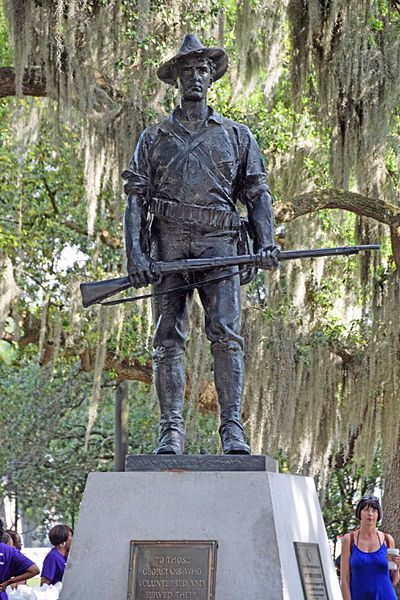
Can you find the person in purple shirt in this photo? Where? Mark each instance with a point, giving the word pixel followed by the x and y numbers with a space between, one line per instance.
pixel 54 564
pixel 14 566
pixel 16 538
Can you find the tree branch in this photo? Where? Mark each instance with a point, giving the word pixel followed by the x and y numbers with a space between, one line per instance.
pixel 304 204
pixel 373 208
pixel 33 82
pixel 51 194
pixel 105 235
pixel 129 370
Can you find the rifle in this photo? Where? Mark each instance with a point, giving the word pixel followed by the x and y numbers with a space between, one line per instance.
pixel 97 291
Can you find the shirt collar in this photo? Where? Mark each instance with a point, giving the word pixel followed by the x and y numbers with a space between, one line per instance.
pixel 175 117
pixel 214 116
pixel 58 553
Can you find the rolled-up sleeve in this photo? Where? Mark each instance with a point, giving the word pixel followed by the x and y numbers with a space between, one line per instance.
pixel 137 175
pixel 253 173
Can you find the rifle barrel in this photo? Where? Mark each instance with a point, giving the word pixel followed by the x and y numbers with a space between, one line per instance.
pixel 94 292
pixel 338 251
pixel 200 264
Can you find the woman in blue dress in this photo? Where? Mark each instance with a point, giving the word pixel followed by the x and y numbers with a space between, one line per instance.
pixel 364 565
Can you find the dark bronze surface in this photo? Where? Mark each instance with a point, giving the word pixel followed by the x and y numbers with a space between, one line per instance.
pixel 183 231
pixel 311 571
pixel 172 570
pixel 203 462
pixel 186 178
pixel 97 291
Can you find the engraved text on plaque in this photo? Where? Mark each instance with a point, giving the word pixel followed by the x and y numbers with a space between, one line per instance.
pixel 172 570
pixel 311 572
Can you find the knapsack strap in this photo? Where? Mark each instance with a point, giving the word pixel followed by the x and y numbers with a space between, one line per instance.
pixel 187 148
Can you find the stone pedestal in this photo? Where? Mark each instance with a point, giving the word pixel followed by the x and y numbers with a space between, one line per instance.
pixel 254 516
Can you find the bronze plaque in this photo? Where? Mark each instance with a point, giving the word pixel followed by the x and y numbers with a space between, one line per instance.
pixel 172 570
pixel 311 571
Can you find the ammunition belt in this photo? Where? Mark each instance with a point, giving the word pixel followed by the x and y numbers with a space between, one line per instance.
pixel 190 213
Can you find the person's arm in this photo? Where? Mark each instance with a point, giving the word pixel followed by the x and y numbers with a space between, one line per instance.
pixel 137 187
pixel 345 567
pixel 44 580
pixel 30 572
pixel 394 573
pixel 261 219
pixel 254 193
pixel 138 262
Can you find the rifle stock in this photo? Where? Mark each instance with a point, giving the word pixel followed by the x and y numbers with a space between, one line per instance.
pixel 97 291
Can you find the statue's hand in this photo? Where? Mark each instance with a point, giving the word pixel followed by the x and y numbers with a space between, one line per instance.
pixel 270 256
pixel 142 270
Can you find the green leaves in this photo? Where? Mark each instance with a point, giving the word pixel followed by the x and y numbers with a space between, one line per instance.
pixel 8 352
pixel 43 417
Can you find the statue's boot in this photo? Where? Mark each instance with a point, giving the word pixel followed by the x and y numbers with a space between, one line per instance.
pixel 171 441
pixel 169 376
pixel 233 439
pixel 229 380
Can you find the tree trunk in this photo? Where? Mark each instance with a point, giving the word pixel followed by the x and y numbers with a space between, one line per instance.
pixel 121 425
pixel 391 499
pixel 395 238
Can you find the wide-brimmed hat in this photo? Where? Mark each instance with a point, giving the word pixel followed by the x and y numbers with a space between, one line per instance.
pixel 191 46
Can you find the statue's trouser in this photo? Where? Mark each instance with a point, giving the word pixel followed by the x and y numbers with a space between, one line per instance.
pixel 221 303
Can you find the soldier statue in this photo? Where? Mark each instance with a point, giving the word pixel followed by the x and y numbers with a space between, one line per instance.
pixel 183 185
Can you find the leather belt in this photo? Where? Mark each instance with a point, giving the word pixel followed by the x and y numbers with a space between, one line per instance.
pixel 190 213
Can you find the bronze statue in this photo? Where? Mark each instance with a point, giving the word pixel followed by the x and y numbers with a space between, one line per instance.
pixel 183 184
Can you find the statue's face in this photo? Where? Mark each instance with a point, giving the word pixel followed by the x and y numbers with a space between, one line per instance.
pixel 193 78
